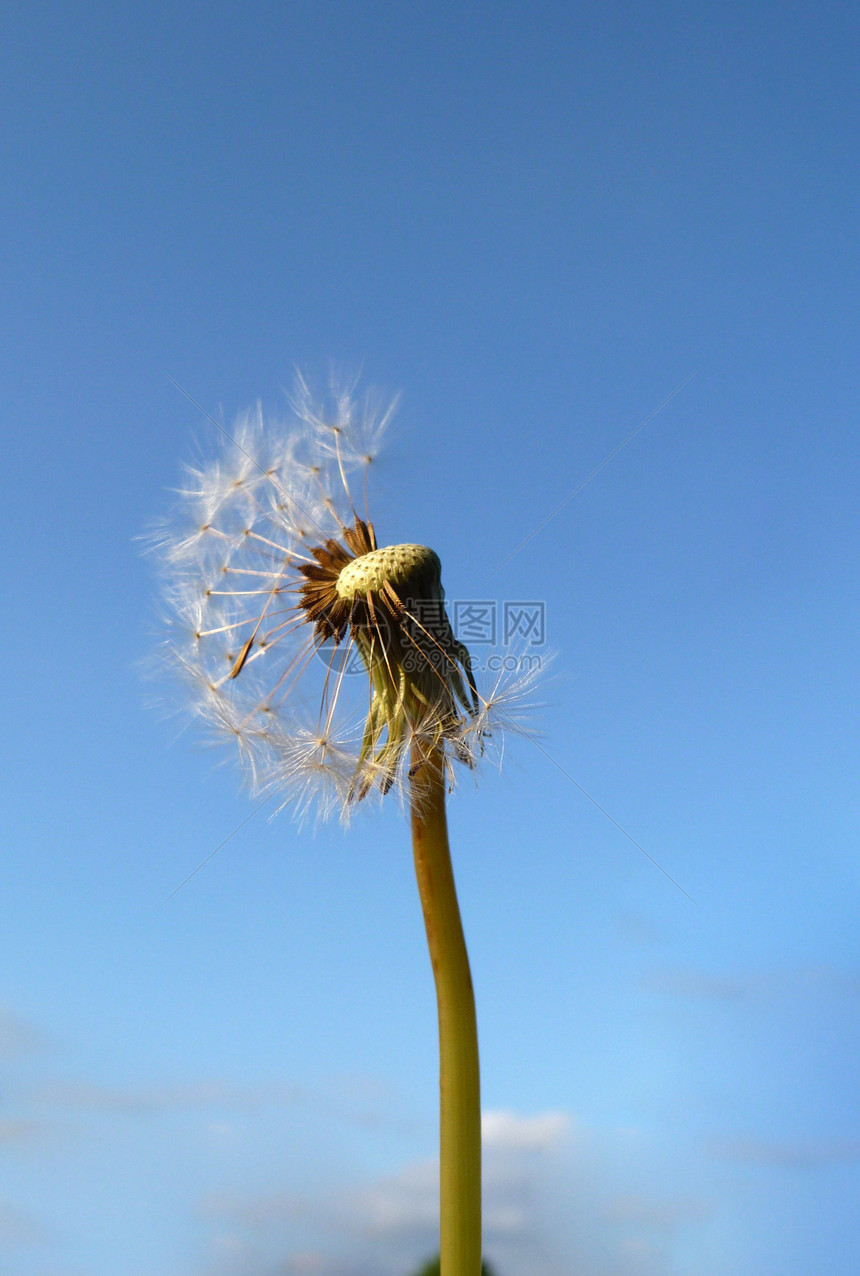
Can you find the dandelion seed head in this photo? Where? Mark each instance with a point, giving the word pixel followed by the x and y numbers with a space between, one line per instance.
pixel 278 591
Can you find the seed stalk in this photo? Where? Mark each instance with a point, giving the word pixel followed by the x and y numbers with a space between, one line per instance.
pixel 459 1076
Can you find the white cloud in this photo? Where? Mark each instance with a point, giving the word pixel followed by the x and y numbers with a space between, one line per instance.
pixel 552 1206
pixel 509 1130
pixel 405 1202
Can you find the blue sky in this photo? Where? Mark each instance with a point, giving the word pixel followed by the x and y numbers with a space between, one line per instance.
pixel 537 222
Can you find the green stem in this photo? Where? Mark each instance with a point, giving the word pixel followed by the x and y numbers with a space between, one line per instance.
pixel 459 1076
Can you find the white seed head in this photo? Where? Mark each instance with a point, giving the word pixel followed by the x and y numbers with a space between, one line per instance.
pixel 283 608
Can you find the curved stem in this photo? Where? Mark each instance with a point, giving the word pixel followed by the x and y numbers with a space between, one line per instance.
pixel 459 1076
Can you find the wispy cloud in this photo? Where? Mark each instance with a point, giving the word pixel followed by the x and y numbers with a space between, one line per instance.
pixel 793 1155
pixel 89 1096
pixel 18 1036
pixel 637 929
pixel 264 1212
pixel 749 985
pixel 640 1210
pixel 17 1131
pixel 550 1207
pixel 17 1228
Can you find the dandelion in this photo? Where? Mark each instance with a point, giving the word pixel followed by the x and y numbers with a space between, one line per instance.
pixel 278 590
